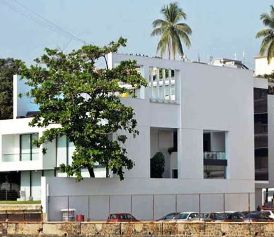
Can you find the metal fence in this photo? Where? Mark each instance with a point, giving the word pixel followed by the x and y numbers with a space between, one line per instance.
pixel 146 206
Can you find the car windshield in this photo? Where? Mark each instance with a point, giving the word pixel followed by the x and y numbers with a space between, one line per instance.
pixel 123 216
pixel 112 216
pixel 170 216
pixel 182 216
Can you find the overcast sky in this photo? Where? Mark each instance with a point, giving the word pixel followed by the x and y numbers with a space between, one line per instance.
pixel 220 28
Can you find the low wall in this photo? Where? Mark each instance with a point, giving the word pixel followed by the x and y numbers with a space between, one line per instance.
pixel 193 229
pixel 146 199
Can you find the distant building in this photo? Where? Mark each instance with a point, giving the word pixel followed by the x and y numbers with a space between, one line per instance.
pixel 262 66
pixel 225 62
pixel 264 130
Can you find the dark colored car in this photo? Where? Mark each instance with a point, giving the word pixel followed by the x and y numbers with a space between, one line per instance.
pixel 235 217
pixel 169 216
pixel 258 216
pixel 121 217
pixel 217 216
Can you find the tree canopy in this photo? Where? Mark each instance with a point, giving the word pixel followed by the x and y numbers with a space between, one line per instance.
pixel 172 31
pixel 267 45
pixel 8 68
pixel 85 102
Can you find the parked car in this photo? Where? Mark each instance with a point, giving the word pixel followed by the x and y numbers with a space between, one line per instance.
pixel 121 217
pixel 187 216
pixel 169 216
pixel 269 213
pixel 217 216
pixel 258 216
pixel 235 217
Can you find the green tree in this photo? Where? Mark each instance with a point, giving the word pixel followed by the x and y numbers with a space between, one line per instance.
pixel 267 45
pixel 84 100
pixel 8 68
pixel 172 31
pixel 157 165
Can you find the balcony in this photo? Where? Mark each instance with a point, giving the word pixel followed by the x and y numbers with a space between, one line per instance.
pixel 15 157
pixel 215 158
pixel 214 155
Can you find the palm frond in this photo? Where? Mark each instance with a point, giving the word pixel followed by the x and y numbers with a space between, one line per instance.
pixel 267 20
pixel 176 44
pixel 264 33
pixel 185 38
pixel 183 27
pixel 163 43
pixel 270 51
pixel 157 31
pixel 159 23
pixel 265 44
pixel 173 13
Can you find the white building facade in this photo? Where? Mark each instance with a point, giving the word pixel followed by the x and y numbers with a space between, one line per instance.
pixel 200 117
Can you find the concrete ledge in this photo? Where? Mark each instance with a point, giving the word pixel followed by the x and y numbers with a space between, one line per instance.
pixel 20 207
pixel 138 229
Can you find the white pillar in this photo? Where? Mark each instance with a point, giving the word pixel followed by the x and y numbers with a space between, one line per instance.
pixel 146 93
pixel 169 84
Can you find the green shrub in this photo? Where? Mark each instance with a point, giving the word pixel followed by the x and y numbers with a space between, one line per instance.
pixel 157 165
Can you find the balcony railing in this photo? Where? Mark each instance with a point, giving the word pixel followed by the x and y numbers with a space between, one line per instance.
pixel 16 157
pixel 215 155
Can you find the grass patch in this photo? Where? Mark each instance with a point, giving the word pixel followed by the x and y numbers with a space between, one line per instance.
pixel 20 202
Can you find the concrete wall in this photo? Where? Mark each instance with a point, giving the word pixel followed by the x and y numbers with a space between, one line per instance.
pixel 145 198
pixel 211 98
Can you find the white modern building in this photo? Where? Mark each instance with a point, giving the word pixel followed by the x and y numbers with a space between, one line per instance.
pixel 262 66
pixel 201 117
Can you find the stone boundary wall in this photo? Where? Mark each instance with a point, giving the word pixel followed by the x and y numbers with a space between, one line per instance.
pixel 156 229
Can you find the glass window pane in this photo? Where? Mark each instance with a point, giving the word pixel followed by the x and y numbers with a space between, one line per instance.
pixel 61 150
pixel 71 149
pixel 48 173
pixel 35 148
pixel 25 147
pixel 214 172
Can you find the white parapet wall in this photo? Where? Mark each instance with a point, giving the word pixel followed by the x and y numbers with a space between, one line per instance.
pixel 146 199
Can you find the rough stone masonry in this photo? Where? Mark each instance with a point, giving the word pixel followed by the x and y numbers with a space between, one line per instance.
pixel 138 229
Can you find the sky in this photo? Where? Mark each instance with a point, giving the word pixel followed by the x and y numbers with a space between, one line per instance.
pixel 221 28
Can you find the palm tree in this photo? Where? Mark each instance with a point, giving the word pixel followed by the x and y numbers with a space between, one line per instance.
pixel 172 31
pixel 267 46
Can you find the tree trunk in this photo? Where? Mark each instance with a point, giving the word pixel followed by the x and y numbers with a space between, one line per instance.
pixel 91 171
pixel 169 49
pixel 107 171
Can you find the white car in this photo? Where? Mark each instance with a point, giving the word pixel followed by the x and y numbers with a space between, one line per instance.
pixel 187 216
pixel 269 213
